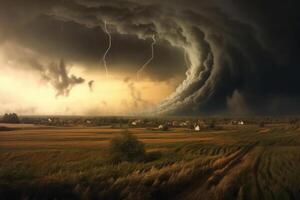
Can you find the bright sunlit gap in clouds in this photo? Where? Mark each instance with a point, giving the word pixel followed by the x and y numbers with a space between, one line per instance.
pixel 26 93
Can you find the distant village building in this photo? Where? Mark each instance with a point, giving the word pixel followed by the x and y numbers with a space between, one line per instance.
pixel 241 123
pixel 185 124
pixel 182 124
pixel 53 121
pixel 197 128
pixel 163 127
pixel 234 122
pixel 136 122
pixel 175 124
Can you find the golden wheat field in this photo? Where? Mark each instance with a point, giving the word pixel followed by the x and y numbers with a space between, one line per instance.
pixel 233 162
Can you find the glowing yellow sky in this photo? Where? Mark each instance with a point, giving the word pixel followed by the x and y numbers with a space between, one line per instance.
pixel 24 92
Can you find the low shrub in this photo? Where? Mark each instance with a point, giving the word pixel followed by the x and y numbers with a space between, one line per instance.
pixel 126 147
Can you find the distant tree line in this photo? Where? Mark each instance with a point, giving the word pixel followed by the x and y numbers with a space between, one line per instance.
pixel 11 118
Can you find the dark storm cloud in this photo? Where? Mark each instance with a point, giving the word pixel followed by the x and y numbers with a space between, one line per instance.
pixel 57 75
pixel 83 40
pixel 245 46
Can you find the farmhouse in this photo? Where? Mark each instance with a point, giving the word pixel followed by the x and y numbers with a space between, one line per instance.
pixel 197 128
pixel 241 123
pixel 163 127
pixel 136 122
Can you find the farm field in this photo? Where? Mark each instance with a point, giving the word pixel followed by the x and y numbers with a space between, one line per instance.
pixel 234 162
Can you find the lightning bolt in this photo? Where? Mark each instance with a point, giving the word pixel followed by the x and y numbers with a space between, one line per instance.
pixel 150 59
pixel 108 48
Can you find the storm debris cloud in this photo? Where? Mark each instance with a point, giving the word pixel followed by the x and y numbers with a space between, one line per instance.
pixel 91 85
pixel 57 75
pixel 136 94
pixel 54 73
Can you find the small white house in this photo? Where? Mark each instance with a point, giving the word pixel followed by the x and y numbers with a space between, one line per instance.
pixel 185 124
pixel 197 128
pixel 241 123
pixel 163 127
pixel 136 122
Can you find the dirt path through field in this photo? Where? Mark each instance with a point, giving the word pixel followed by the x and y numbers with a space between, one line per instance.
pixel 221 182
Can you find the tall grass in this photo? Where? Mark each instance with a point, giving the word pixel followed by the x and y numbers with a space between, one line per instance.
pixel 253 165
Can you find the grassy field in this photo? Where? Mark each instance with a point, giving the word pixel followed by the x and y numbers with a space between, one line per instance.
pixel 235 162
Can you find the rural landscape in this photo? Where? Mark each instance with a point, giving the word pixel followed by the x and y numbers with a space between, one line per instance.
pixel 224 159
pixel 149 100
